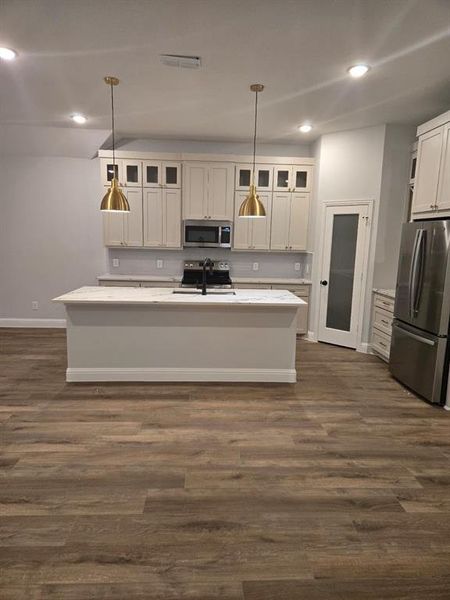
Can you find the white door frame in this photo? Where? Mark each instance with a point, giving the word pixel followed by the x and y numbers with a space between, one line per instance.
pixel 360 346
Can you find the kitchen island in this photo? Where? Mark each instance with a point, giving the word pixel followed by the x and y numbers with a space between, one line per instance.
pixel 165 334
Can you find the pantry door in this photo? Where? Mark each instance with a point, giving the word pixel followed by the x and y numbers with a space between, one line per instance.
pixel 346 233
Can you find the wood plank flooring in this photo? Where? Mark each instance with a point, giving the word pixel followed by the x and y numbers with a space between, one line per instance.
pixel 335 488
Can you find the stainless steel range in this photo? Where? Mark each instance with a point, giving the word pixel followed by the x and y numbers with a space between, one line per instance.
pixel 217 274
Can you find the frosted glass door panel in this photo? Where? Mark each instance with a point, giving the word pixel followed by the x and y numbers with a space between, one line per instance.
pixel 342 271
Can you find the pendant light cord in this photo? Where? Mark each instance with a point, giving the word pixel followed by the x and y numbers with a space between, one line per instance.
pixel 254 138
pixel 112 126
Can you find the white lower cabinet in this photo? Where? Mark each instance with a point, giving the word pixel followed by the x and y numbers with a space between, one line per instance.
pixel 382 317
pixel 162 217
pixel 125 229
pixel 252 234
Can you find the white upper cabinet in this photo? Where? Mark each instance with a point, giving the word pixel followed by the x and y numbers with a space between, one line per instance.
pixel 263 177
pixel 208 191
pixel 252 234
pixel 281 208
pixel 298 222
pixel 220 192
pixel 195 190
pixel 133 219
pixel 290 217
pixel 443 201
pixel 427 171
pixel 161 174
pixel 125 229
pixel 295 178
pixel 162 218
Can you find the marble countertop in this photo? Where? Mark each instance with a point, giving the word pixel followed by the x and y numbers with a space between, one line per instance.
pixel 174 278
pixel 132 295
pixel 383 292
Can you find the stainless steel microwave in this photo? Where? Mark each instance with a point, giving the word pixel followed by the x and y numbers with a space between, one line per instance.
pixel 207 234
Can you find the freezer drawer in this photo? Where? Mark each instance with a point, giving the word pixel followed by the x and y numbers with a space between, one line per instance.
pixel 418 361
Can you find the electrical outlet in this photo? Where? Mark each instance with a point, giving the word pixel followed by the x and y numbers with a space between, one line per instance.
pixel 255 266
pixel 159 264
pixel 35 305
pixel 296 266
pixel 116 262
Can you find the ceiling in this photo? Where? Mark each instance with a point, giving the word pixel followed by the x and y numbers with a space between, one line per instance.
pixel 300 50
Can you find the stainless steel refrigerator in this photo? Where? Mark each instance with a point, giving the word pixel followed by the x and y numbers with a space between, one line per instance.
pixel 419 347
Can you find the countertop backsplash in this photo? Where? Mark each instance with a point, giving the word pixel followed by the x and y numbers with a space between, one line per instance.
pixel 144 262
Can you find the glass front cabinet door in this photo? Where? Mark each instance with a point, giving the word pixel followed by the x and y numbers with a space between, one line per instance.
pixel 162 174
pixel 263 176
pixel 109 170
pixel 151 174
pixel 301 178
pixel 295 178
pixel 132 173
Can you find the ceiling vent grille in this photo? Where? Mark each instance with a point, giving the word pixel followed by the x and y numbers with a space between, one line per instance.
pixel 180 61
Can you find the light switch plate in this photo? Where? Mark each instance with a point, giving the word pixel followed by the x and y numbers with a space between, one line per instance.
pixel 255 266
pixel 116 262
pixel 35 305
pixel 159 264
pixel 296 266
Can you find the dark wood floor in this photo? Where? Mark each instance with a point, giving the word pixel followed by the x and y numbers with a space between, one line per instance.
pixel 336 488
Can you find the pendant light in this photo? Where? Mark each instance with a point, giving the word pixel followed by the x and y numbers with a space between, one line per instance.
pixel 252 206
pixel 114 200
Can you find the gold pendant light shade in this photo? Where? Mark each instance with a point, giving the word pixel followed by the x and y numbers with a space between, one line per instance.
pixel 252 205
pixel 114 199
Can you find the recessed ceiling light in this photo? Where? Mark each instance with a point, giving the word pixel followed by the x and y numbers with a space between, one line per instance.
pixel 305 128
pixel 7 54
pixel 80 119
pixel 358 71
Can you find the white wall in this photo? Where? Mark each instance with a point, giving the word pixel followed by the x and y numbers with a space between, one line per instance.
pixel 303 150
pixel 51 233
pixel 350 168
pixel 271 264
pixel 394 195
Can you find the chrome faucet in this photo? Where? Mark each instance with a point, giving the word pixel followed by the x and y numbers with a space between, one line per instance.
pixel 207 262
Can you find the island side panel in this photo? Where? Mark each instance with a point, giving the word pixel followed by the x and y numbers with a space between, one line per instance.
pixel 180 343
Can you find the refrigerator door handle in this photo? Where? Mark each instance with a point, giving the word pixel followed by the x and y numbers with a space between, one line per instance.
pixel 413 273
pixel 418 271
pixel 419 338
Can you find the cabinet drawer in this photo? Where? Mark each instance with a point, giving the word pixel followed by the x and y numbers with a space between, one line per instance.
pixel 160 284
pixel 384 302
pixel 252 286
pixel 381 343
pixel 298 290
pixel 120 283
pixel 382 320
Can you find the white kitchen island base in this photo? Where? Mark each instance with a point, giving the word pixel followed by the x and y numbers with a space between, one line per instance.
pixel 151 334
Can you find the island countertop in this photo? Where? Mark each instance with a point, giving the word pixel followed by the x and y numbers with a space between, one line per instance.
pixel 166 296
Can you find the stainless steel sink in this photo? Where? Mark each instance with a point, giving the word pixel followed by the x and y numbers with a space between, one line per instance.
pixel 199 292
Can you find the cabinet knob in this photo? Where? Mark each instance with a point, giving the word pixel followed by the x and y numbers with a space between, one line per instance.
pixel 324 282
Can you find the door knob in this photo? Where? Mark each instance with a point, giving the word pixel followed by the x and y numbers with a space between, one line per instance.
pixel 324 282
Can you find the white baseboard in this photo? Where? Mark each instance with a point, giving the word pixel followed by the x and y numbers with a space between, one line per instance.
pixel 173 374
pixel 311 336
pixel 47 323
pixel 364 347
